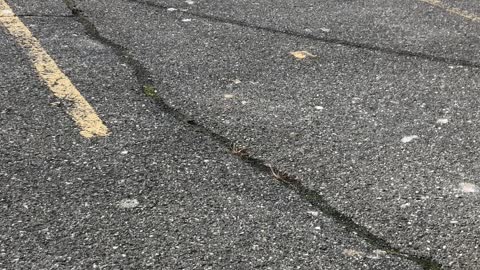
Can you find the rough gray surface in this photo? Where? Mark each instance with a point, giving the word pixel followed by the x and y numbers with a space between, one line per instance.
pixel 336 121
pixel 153 195
pixel 351 151
pixel 410 25
pixel 40 8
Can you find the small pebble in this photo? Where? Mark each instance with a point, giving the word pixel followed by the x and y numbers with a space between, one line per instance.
pixel 442 121
pixel 380 252
pixel 377 254
pixel 128 203
pixel 468 187
pixel 356 100
pixel 407 139
pixel 405 205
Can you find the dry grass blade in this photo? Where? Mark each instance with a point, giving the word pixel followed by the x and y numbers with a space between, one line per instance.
pixel 239 150
pixel 281 176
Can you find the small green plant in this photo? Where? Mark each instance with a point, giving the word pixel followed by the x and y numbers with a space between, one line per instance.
pixel 149 90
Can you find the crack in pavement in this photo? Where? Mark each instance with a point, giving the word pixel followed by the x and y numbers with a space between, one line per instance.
pixel 336 41
pixel 145 81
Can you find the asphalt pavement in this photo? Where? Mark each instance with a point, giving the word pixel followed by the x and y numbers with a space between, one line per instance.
pixel 244 135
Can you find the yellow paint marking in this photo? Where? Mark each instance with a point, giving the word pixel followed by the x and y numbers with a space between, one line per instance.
pixel 453 10
pixel 82 113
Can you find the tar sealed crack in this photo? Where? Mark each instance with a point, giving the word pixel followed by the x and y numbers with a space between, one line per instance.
pixel 145 82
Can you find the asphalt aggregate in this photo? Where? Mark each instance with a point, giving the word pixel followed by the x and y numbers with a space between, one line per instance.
pixel 361 155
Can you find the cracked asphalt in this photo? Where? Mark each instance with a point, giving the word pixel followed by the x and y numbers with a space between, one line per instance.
pixel 363 155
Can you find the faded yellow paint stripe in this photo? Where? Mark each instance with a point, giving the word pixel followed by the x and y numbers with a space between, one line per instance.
pixel 464 13
pixel 80 110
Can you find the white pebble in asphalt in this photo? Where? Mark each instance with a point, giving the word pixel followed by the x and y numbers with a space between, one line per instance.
pixel 128 203
pixel 407 139
pixel 405 205
pixel 442 121
pixel 468 187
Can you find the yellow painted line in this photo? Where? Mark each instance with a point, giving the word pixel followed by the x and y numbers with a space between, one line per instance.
pixel 80 110
pixel 464 13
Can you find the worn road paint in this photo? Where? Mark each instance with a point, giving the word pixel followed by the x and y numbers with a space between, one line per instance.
pixel 80 110
pixel 464 13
